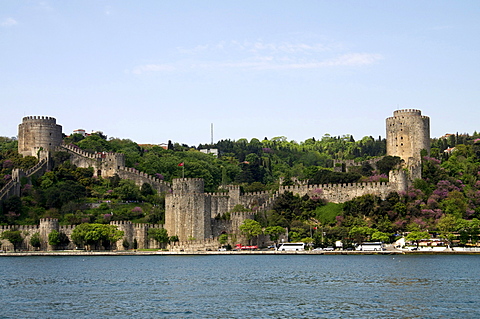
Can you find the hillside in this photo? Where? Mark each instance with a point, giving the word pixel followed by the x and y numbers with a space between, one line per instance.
pixel 447 199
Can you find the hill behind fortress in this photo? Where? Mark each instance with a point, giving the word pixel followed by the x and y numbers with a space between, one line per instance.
pixel 276 182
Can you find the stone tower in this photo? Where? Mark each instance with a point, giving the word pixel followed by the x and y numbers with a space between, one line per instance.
pixel 408 133
pixel 187 212
pixel 37 133
pixel 47 225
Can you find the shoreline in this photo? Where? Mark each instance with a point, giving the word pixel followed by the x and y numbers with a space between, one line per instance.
pixel 206 253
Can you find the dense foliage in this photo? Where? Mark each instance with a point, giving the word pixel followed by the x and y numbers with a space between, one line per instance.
pixel 445 201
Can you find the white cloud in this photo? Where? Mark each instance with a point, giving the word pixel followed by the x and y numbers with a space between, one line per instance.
pixel 354 59
pixel 152 68
pixel 9 22
pixel 260 55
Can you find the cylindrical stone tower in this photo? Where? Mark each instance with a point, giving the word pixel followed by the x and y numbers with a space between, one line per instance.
pixel 408 133
pixel 186 210
pixel 38 132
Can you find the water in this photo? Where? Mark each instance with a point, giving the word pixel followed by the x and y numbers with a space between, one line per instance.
pixel 239 286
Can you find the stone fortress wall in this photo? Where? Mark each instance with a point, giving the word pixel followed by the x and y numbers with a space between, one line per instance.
pixel 193 215
pixel 132 232
pixel 345 165
pixel 13 187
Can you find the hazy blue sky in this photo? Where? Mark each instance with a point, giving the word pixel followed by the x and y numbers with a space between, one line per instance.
pixel 154 71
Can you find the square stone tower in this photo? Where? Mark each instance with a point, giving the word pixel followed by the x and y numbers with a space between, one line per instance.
pixel 187 210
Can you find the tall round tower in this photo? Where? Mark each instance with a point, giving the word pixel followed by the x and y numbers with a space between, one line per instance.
pixel 38 132
pixel 408 133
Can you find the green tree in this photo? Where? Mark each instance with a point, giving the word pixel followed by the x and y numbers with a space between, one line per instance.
pixel 54 238
pixel 446 226
pixel 388 163
pixel 14 237
pixel 127 190
pixel 35 240
pixel 274 232
pixel 380 236
pixel 416 236
pixel 158 234
pixel 250 228
pixel 223 239
pixel 361 233
pixel 147 190
pixel 96 234
pixel 307 240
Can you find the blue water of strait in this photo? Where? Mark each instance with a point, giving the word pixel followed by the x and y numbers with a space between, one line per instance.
pixel 240 286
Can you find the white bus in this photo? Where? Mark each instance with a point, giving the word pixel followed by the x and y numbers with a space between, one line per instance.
pixel 292 247
pixel 370 246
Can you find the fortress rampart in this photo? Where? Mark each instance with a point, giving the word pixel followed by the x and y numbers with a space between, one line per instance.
pixel 345 165
pixel 339 193
pixel 13 187
pixel 139 178
pixel 132 232
pixel 192 214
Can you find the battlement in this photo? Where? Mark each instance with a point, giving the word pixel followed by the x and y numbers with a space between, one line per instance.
pixel 220 194
pixel 7 189
pixel 307 188
pixel 144 176
pixel 35 168
pixel 407 112
pixel 66 228
pixel 148 226
pixel 188 185
pixel 75 149
pixel 261 193
pixel 48 220
pixel 401 114
pixel 39 119
pixel 120 222
pixel 27 228
pixel 241 215
pixel 187 180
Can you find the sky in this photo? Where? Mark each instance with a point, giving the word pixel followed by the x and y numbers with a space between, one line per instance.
pixel 153 71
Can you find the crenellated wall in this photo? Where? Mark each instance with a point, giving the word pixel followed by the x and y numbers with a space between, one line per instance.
pixel 13 187
pixel 139 178
pixel 132 232
pixel 339 165
pixel 109 164
pixel 190 213
pixel 339 193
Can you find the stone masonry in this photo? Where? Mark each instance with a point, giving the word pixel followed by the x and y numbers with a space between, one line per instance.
pixel 193 215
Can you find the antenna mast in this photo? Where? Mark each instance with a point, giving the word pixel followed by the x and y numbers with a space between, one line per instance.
pixel 211 130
